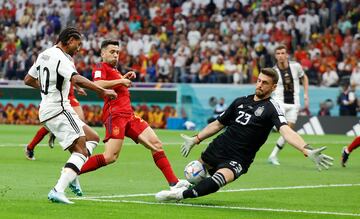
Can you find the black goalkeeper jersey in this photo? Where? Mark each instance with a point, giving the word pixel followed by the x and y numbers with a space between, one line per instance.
pixel 248 124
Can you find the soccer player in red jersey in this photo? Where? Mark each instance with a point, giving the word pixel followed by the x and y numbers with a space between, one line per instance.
pixel 93 137
pixel 348 149
pixel 120 121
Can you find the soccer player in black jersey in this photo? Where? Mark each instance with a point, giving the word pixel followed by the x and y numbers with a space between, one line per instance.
pixel 249 121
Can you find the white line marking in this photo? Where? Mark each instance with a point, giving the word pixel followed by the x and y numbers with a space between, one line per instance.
pixel 230 190
pixel 229 207
pixel 291 187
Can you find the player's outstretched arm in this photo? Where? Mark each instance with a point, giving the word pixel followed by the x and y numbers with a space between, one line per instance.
pixel 315 155
pixel 190 142
pixel 86 83
pixel 113 83
pixel 305 82
pixel 80 90
pixel 32 82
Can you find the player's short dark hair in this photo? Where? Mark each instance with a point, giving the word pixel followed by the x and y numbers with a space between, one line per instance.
pixel 271 73
pixel 67 33
pixel 281 46
pixel 105 43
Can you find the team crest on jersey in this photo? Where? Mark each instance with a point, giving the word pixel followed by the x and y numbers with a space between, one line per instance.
pixel 116 130
pixel 259 111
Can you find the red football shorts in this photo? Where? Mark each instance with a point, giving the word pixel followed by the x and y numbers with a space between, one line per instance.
pixel 118 127
pixel 73 101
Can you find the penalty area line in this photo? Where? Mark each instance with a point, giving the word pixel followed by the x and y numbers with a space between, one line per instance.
pixel 227 207
pixel 229 190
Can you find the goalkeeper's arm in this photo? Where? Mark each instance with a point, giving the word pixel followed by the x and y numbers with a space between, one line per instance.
pixel 190 142
pixel 210 130
pixel 293 138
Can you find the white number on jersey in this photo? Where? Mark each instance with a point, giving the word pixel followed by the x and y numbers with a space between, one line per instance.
pixel 44 81
pixel 243 118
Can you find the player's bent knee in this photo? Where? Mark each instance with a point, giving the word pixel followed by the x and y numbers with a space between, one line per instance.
pixel 91 134
pixel 157 145
pixel 228 174
pixel 111 158
pixel 95 138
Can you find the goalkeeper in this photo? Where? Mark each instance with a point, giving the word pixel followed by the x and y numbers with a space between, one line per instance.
pixel 248 122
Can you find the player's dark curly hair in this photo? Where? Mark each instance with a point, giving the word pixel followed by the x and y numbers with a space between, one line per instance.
pixel 271 73
pixel 105 43
pixel 67 33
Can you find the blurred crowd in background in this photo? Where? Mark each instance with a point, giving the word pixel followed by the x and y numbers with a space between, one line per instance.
pixel 155 115
pixel 190 41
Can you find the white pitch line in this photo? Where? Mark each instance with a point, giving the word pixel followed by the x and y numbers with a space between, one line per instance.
pixel 291 187
pixel 229 190
pixel 229 207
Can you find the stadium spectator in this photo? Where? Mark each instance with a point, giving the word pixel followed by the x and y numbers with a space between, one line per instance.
pixel 329 77
pixel 10 113
pixel 218 74
pixel 325 107
pixel 211 26
pixel 219 108
pixel 32 115
pixel 164 68
pixel 2 114
pixel 158 118
pixel 355 77
pixel 347 100
pixel 194 70
pixel 181 56
pixel 150 72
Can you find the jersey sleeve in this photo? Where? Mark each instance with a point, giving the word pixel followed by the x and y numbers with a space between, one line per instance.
pixel 300 70
pixel 67 69
pixel 32 71
pixel 225 117
pixel 99 73
pixel 277 115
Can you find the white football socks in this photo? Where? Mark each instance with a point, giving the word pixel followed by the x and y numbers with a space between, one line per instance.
pixel 91 145
pixel 69 172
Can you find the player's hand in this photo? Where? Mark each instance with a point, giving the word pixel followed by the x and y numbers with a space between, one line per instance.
pixel 126 82
pixel 81 91
pixel 130 75
pixel 189 143
pixel 320 160
pixel 110 94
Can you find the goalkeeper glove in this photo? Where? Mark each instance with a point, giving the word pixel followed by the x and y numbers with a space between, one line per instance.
pixel 189 143
pixel 320 160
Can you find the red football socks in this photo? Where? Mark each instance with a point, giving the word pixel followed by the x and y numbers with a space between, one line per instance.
pixel 354 144
pixel 163 164
pixel 93 163
pixel 37 138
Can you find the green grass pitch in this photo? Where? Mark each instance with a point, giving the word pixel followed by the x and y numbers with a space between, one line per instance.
pixel 125 189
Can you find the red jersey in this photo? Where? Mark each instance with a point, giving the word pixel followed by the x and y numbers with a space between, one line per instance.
pixel 121 106
pixel 71 92
pixel 73 101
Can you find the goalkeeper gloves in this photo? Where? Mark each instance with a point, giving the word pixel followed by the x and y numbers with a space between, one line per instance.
pixel 189 143
pixel 320 160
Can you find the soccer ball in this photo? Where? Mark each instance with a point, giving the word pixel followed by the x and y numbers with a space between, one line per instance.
pixel 195 172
